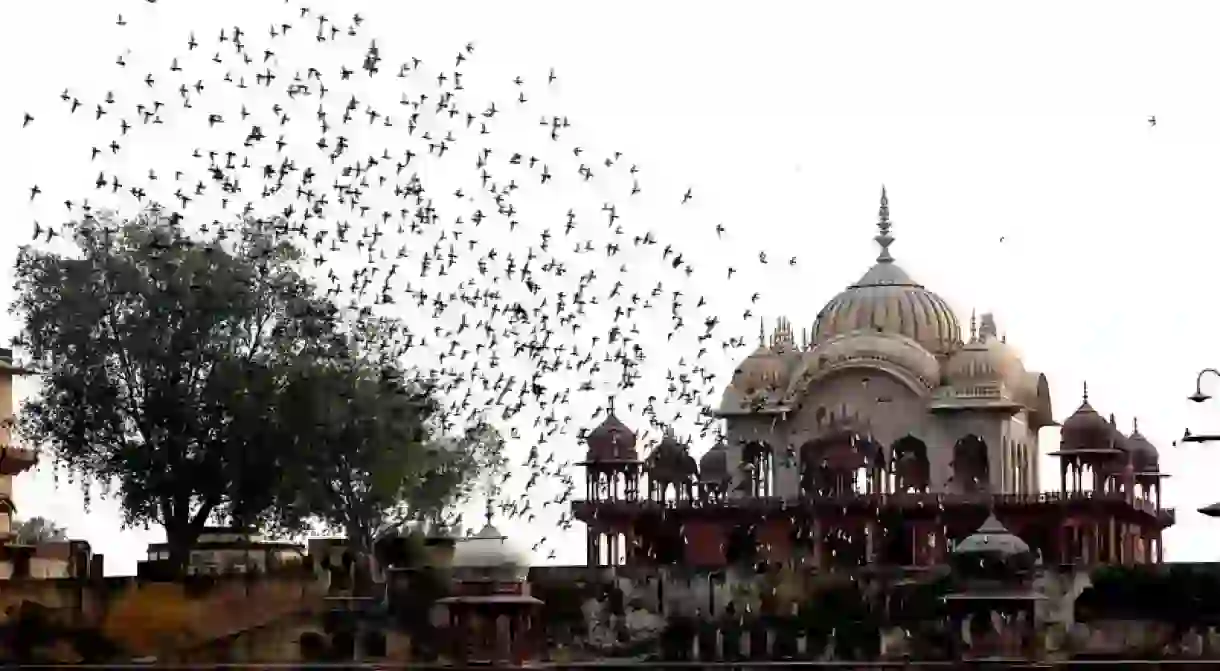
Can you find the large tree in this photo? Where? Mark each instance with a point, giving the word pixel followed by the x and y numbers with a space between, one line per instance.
pixel 372 459
pixel 161 358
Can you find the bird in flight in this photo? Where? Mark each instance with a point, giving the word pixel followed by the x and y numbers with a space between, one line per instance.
pixel 1151 121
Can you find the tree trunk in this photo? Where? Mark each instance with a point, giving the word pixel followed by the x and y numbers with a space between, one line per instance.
pixel 179 551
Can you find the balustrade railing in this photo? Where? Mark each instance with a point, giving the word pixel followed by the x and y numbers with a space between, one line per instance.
pixel 894 500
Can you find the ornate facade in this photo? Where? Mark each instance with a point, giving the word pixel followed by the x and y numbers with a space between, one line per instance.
pixel 884 435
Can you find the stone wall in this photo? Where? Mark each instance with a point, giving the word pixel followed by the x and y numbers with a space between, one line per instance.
pixel 165 619
pixel 649 596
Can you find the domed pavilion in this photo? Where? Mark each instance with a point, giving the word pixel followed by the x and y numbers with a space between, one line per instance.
pixel 492 617
pixel 882 434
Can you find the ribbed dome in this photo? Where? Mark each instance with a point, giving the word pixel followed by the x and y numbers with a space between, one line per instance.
pixel 489 554
pixel 611 441
pixel 1144 455
pixel 987 360
pixel 762 377
pixel 886 299
pixel 670 461
pixel 1085 429
pixel 992 553
pixel 762 371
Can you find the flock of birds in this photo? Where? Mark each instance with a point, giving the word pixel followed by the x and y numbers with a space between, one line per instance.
pixel 534 304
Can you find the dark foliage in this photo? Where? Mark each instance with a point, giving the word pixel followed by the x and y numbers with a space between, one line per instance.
pixel 368 462
pixel 209 379
pixel 162 357
pixel 30 628
pixel 1180 594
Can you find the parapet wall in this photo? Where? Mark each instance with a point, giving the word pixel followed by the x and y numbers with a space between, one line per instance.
pixel 159 618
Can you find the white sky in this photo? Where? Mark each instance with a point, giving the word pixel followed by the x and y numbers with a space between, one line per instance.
pixel 785 119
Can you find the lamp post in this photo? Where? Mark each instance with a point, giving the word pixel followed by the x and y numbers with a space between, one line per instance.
pixel 1212 510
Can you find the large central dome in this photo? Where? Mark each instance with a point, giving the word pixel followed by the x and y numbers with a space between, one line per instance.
pixel 887 300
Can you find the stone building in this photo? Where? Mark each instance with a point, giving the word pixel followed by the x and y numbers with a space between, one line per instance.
pixel 883 435
pixel 58 559
pixel 888 355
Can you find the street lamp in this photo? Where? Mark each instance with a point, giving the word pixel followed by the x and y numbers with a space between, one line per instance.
pixel 1199 396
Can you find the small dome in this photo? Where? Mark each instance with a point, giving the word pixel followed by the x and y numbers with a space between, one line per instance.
pixel 987 360
pixel 611 441
pixel 670 461
pixel 759 380
pixel 489 555
pixel 714 464
pixel 992 553
pixel 1144 455
pixel 1085 429
pixel 887 300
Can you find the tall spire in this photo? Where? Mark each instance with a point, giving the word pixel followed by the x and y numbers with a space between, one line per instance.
pixel 883 224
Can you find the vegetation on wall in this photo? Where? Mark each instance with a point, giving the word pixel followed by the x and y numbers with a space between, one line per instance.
pixel 1180 594
pixel 38 530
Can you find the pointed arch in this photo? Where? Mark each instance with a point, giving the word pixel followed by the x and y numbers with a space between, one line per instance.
pixel 909 465
pixel 758 459
pixel 971 464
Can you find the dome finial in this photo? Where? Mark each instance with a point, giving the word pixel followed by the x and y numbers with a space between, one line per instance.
pixel 883 224
pixel 987 328
pixel 974 330
pixel 1086 391
pixel 1135 425
pixel 762 332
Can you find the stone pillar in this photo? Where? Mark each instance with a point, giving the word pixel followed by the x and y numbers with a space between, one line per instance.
pixel 1112 538
pixel 819 548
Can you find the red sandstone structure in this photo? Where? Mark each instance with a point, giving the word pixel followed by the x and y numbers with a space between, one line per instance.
pixel 492 619
pixel 884 437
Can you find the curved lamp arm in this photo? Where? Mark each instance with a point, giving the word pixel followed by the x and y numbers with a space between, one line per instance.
pixel 1199 396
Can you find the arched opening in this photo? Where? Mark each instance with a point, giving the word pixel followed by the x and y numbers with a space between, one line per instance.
pixel 841 462
pixel 909 465
pixel 665 544
pixel 741 547
pixel 971 467
pixel 760 468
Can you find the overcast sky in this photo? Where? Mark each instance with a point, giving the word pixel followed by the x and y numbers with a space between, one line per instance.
pixel 785 119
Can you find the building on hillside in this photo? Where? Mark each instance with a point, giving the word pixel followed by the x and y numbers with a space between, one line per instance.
pixel 56 559
pixel 233 550
pixel 883 436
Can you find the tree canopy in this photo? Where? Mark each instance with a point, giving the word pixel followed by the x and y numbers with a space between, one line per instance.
pixel 38 530
pixel 205 378
pixel 369 451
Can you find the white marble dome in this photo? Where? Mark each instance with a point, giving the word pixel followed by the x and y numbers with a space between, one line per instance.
pixel 490 554
pixel 887 300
